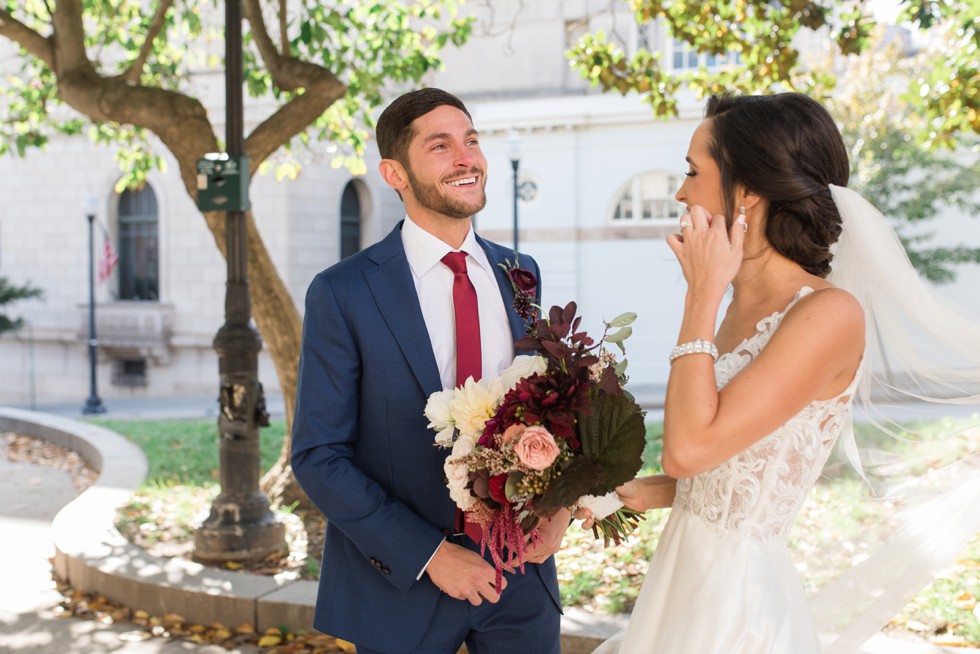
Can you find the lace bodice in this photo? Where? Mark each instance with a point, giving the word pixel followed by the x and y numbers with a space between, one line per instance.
pixel 758 492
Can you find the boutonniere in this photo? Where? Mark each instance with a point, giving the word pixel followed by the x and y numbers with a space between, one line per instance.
pixel 524 284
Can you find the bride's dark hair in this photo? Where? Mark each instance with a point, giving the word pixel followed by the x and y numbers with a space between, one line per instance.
pixel 786 149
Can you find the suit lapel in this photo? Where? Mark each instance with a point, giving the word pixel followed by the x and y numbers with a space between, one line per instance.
pixel 497 256
pixel 394 292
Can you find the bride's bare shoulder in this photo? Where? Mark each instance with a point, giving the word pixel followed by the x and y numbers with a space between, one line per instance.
pixel 829 307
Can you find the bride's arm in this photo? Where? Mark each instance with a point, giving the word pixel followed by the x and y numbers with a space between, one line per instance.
pixel 645 493
pixel 640 494
pixel 816 350
pixel 812 355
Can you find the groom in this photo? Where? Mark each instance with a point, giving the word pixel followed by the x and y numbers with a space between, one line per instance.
pixel 379 336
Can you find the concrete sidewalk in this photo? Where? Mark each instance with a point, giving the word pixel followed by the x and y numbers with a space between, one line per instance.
pixel 30 497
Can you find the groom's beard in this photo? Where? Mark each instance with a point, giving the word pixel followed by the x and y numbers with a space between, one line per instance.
pixel 434 198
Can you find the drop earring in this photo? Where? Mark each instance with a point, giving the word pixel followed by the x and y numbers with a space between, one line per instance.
pixel 741 218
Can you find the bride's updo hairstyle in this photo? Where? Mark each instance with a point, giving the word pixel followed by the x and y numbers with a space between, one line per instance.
pixel 786 149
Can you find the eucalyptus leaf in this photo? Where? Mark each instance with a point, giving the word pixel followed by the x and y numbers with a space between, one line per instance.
pixel 620 335
pixel 622 320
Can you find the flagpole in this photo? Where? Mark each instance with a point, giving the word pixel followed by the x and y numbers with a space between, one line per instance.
pixel 93 404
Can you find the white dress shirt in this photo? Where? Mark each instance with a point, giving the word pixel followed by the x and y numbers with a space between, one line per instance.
pixel 434 285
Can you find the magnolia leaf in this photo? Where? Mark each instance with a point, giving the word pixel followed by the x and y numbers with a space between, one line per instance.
pixel 620 335
pixel 622 320
pixel 614 437
pixel 576 480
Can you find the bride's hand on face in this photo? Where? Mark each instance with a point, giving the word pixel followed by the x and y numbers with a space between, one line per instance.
pixel 709 255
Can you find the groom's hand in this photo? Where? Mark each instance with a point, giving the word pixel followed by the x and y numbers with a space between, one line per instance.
pixel 463 574
pixel 552 534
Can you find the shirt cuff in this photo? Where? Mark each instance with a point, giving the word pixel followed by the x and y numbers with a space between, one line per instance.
pixel 422 571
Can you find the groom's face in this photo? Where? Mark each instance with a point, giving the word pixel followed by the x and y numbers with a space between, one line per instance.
pixel 446 169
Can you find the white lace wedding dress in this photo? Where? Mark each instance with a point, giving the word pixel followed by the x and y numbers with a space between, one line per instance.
pixel 720 580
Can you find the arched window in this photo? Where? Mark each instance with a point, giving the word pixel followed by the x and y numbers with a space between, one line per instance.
pixel 139 277
pixel 350 221
pixel 648 197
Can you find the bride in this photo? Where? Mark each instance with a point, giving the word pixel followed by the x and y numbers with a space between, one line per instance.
pixel 753 408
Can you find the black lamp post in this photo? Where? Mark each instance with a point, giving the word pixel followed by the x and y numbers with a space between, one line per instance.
pixel 241 525
pixel 514 154
pixel 93 404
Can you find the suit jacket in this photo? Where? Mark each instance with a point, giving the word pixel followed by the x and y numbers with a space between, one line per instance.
pixel 362 451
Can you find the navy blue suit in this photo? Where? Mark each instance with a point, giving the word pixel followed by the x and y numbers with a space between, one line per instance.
pixel 363 453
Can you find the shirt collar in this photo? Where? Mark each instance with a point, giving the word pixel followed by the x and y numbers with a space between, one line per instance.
pixel 424 251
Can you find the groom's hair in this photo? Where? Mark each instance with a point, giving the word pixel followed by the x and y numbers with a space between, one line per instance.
pixel 395 130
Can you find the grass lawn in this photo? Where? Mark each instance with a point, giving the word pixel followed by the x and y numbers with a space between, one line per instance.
pixel 835 528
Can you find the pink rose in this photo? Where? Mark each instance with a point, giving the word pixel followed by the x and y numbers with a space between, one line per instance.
pixel 536 448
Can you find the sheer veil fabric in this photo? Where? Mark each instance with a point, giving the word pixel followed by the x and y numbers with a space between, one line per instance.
pixel 919 348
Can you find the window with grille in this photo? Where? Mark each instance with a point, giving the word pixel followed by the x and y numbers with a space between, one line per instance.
pixel 350 221
pixel 130 373
pixel 648 197
pixel 139 275
pixel 683 58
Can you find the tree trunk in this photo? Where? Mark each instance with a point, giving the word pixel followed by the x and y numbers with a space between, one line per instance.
pixel 181 122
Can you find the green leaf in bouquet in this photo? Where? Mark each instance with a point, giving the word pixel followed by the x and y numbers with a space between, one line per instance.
pixel 614 437
pixel 619 335
pixel 621 367
pixel 622 320
pixel 565 489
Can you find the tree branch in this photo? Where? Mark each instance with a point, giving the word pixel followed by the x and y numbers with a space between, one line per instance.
pixel 39 46
pixel 283 32
pixel 321 88
pixel 133 73
pixel 260 34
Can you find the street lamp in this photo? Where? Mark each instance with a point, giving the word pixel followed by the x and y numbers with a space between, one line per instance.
pixel 93 404
pixel 241 525
pixel 514 154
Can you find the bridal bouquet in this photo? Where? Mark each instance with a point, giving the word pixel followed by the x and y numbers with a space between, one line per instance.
pixel 555 430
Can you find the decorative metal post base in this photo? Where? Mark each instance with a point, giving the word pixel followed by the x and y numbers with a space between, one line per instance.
pixel 239 529
pixel 93 405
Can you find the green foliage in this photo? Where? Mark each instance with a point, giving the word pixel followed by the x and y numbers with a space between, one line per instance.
pixel 904 177
pixel 10 293
pixel 186 451
pixel 757 41
pixel 756 37
pixel 947 93
pixel 367 45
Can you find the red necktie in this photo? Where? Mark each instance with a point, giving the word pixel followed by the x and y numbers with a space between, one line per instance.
pixel 469 360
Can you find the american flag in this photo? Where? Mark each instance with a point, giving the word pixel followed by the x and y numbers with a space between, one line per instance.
pixel 108 258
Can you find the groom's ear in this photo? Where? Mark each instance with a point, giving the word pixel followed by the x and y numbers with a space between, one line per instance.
pixel 394 174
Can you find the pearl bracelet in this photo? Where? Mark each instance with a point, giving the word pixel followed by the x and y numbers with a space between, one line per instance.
pixel 697 346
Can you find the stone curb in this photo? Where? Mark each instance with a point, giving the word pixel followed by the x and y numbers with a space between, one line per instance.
pixel 92 556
